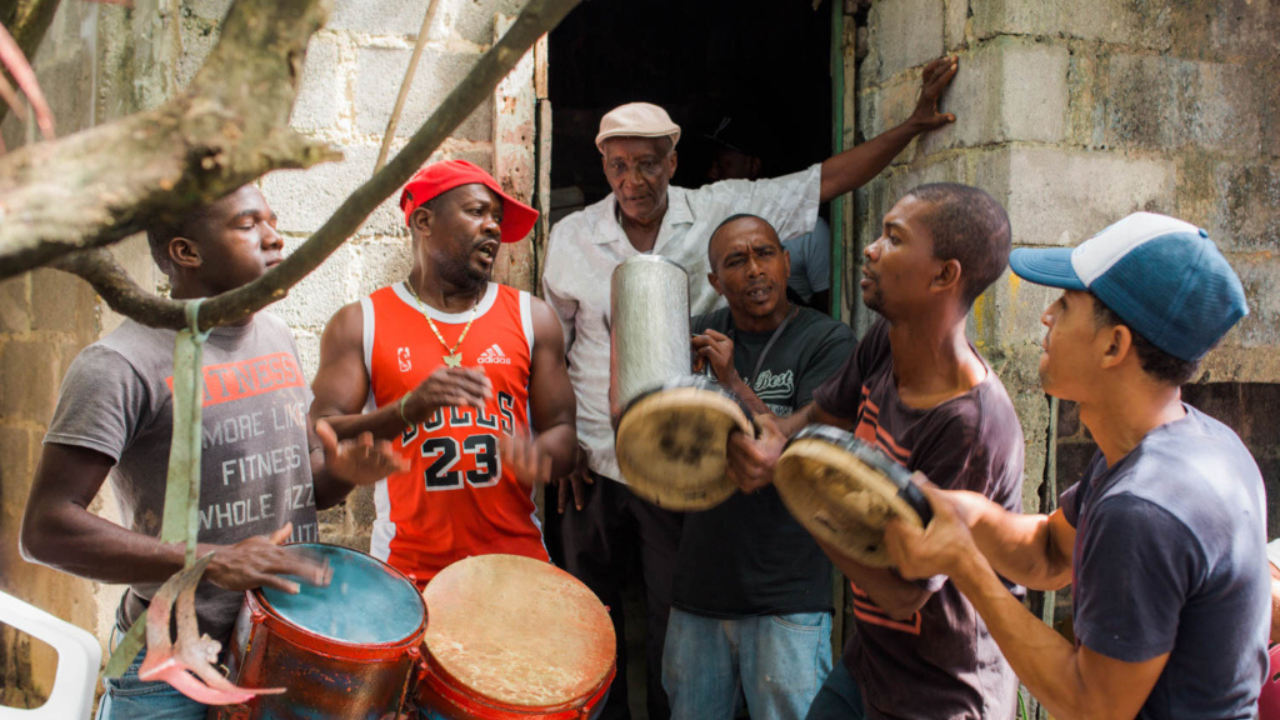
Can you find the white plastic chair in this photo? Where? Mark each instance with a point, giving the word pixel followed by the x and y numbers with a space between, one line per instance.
pixel 79 657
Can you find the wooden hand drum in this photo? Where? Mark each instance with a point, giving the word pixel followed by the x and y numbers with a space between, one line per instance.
pixel 512 638
pixel 671 443
pixel 844 491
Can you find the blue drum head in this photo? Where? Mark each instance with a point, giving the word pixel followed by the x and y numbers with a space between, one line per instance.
pixel 367 602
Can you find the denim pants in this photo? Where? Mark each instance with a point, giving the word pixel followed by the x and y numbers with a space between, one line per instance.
pixel 779 662
pixel 128 698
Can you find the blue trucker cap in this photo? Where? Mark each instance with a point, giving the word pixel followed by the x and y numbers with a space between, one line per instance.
pixel 1164 277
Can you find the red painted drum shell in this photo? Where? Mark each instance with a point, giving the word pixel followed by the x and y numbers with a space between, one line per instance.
pixel 441 697
pixel 330 647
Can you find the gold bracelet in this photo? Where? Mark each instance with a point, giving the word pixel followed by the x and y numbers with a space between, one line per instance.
pixel 404 399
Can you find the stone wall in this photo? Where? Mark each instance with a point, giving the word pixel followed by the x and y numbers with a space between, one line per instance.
pixel 1075 114
pixel 102 61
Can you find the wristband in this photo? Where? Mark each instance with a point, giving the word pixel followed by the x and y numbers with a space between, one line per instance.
pixel 404 399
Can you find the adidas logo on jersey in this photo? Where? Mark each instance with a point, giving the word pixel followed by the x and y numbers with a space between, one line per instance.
pixel 493 356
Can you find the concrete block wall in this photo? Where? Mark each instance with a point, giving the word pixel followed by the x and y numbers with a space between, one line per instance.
pixel 102 61
pixel 1074 114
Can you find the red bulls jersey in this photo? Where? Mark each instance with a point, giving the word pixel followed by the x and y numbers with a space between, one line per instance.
pixel 456 500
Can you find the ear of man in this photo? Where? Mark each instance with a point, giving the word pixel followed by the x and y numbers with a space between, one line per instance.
pixel 1119 346
pixel 184 253
pixel 950 278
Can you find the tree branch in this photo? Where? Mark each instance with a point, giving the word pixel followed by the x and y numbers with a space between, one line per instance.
pixel 124 296
pixel 229 127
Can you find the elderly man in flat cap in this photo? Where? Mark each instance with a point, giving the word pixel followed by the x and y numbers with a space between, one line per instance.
pixel 644 215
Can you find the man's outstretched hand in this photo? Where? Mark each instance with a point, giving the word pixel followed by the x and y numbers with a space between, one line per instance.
pixel 944 547
pixel 935 79
pixel 358 461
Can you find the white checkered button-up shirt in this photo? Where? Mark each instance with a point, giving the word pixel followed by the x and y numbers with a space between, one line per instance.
pixel 586 246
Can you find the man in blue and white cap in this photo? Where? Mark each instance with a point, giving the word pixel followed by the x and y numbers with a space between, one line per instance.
pixel 1163 538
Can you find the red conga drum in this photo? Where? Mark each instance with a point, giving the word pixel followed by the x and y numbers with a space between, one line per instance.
pixel 346 651
pixel 512 638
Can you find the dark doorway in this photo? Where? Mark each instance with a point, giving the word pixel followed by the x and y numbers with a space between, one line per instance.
pixel 768 62
pixel 700 60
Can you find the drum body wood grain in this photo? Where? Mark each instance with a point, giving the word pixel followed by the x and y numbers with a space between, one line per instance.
pixel 512 638
pixel 844 491
pixel 346 651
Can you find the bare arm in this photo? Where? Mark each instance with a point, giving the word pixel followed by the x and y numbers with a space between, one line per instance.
pixel 551 399
pixel 1031 550
pixel 1072 682
pixel 341 384
pixel 856 166
pixel 899 598
pixel 59 531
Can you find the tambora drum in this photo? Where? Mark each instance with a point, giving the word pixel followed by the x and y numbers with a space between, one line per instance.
pixel 514 638
pixel 346 651
pixel 844 491
pixel 672 426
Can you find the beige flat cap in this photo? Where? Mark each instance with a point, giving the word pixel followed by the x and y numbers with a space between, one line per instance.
pixel 637 120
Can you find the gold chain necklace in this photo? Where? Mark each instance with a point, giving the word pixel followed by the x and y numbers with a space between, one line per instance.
pixel 454 358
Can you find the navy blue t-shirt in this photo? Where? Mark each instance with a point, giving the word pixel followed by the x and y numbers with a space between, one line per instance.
pixel 1170 557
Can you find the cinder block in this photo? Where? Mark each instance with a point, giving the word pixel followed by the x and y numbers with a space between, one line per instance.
pixel 60 302
pixel 957 20
pixel 904 34
pixel 1008 313
pixel 1122 22
pixel 316 106
pixel 313 301
pixel 390 17
pixel 1234 28
pixel 30 377
pixel 362 510
pixel 18 460
pixel 15 304
pixel 878 196
pixel 1163 103
pixel 384 262
pixel 1006 89
pixel 1244 202
pixel 304 199
pixel 472 20
pixel 215 10
pixel 1258 273
pixel 198 36
pixel 1060 197
pixel 379 73
pixel 308 350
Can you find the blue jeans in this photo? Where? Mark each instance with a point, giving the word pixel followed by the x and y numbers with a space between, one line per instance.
pixel 128 698
pixel 778 661
pixel 839 699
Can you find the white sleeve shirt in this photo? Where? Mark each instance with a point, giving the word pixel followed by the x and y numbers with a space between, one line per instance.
pixel 586 246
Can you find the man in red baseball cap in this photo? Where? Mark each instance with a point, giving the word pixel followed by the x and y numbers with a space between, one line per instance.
pixel 454 369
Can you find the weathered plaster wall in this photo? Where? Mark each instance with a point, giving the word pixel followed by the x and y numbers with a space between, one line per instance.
pixel 1075 114
pixel 103 61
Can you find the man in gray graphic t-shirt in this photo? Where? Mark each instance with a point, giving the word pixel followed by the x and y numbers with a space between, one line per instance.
pixel 263 472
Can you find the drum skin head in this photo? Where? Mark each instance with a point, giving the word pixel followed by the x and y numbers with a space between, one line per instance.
pixel 519 631
pixel 856 499
pixel 366 602
pixel 670 447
